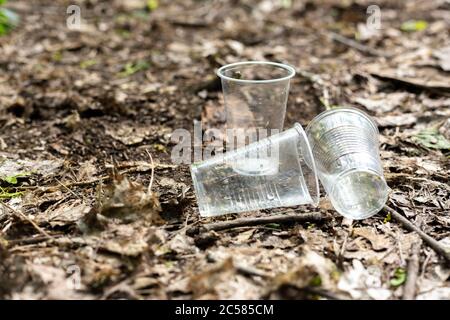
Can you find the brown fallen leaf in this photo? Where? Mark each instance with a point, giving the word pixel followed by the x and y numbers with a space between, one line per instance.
pixel 128 134
pixel 423 77
pixel 404 119
pixel 362 283
pixel 130 201
pixel 87 170
pixel 378 241
pixel 125 247
pixel 445 129
pixel 383 102
pixel 311 270
pixel 59 285
pixel 66 213
pixel 443 57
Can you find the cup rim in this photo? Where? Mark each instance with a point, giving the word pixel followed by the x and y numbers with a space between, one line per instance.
pixel 326 113
pixel 290 69
pixel 351 171
pixel 316 197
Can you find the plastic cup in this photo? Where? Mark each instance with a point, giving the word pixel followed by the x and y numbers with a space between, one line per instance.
pixel 345 147
pixel 255 95
pixel 220 189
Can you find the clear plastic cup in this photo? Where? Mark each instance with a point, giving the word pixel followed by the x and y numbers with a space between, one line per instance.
pixel 220 189
pixel 345 147
pixel 255 95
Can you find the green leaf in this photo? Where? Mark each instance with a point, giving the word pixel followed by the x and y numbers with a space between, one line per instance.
pixel 8 20
pixel 286 4
pixel 85 64
pixel 273 225
pixel 2 2
pixel 131 68
pixel 399 277
pixel 316 281
pixel 5 194
pixel 414 25
pixel 432 139
pixel 388 218
pixel 152 5
pixel 57 56
pixel 13 179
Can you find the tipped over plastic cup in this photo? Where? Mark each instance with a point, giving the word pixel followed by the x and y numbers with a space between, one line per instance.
pixel 222 187
pixel 345 142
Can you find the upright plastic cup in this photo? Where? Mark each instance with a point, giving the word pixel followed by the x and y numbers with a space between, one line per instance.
pixel 345 147
pixel 220 189
pixel 255 95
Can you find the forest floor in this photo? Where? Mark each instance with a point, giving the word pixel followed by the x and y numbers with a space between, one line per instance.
pixel 76 106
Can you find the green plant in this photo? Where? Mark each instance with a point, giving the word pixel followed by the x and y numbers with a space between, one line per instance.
pixel 8 19
pixel 13 179
pixel 5 193
pixel 131 68
pixel 399 277
pixel 431 138
pixel 414 25
pixel 152 5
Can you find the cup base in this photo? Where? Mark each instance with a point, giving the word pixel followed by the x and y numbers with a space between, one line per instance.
pixel 359 194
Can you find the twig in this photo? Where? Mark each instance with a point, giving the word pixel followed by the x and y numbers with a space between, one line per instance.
pixel 436 246
pixel 27 241
pixel 70 190
pixel 23 216
pixel 355 45
pixel 340 257
pixel 152 174
pixel 242 268
pixel 216 226
pixel 189 24
pixel 409 291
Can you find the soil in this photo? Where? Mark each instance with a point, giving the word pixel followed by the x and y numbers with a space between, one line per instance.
pixel 82 110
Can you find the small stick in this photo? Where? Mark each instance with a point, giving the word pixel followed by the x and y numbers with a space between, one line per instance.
pixel 436 246
pixel 216 226
pixel 27 241
pixel 355 45
pixel 409 291
pixel 152 174
pixel 23 216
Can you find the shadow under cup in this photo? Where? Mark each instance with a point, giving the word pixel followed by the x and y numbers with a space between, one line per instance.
pixel 255 95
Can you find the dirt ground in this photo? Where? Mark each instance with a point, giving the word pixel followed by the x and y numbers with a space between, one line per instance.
pixel 81 110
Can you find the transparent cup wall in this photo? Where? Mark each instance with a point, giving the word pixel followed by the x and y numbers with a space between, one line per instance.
pixel 345 147
pixel 255 95
pixel 221 188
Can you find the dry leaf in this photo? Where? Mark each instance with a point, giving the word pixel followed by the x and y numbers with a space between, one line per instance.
pixel 130 201
pixel 378 241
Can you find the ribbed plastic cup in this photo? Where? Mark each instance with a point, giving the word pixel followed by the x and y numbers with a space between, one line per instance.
pixel 345 147
pixel 220 189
